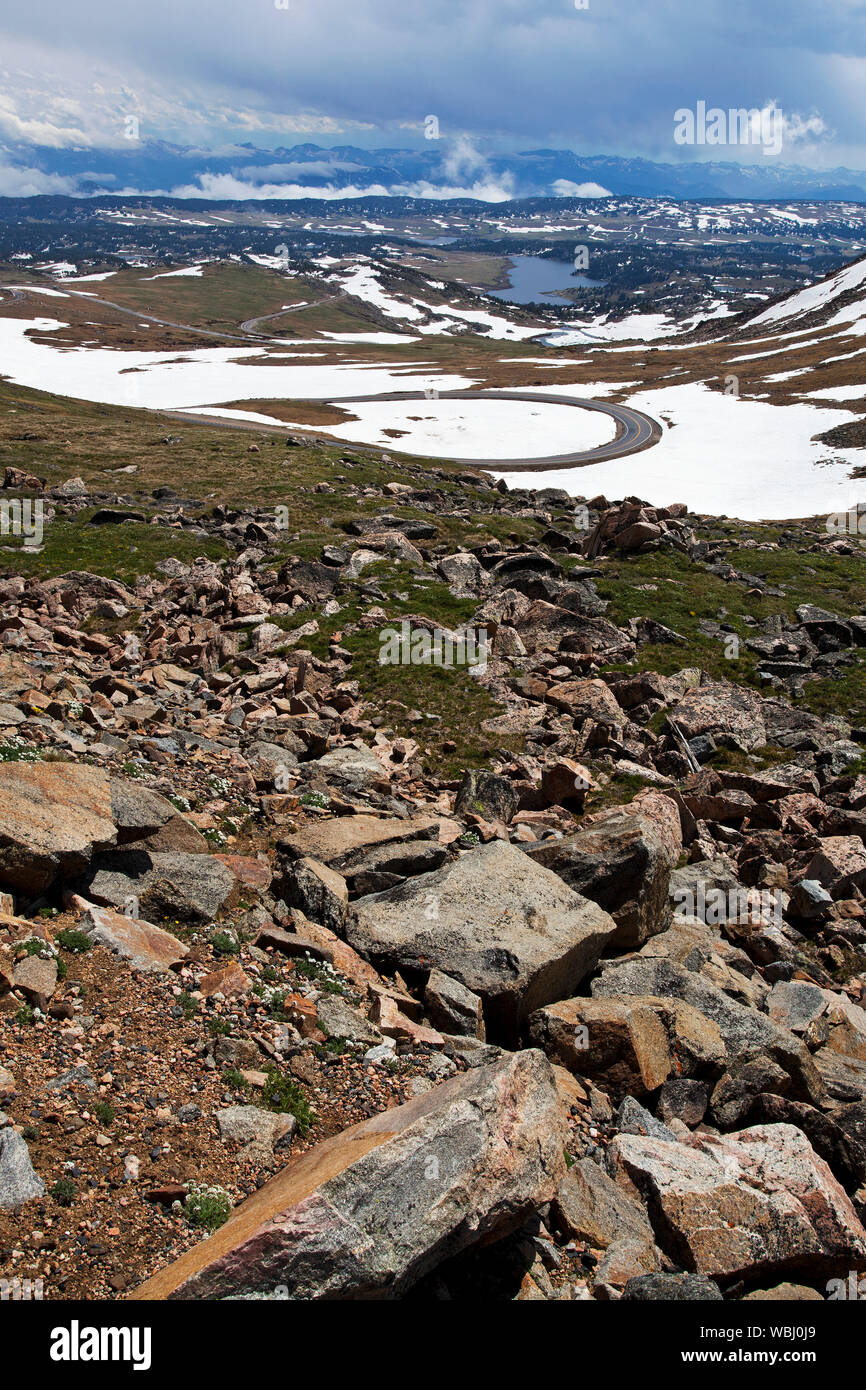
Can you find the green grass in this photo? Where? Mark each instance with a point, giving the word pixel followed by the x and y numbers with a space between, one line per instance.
pixel 234 1079
pixel 455 697
pixel 284 1096
pixel 70 939
pixel 224 944
pixel 242 292
pixel 33 946
pixel 207 1207
pixel 685 593
pixel 117 552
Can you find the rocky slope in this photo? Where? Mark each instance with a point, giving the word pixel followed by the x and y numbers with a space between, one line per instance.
pixel 567 1006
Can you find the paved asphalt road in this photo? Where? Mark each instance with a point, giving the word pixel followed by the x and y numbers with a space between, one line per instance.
pixel 634 430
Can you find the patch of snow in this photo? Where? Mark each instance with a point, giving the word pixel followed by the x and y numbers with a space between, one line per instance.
pixel 39 289
pixel 202 376
pixel 188 270
pixel 815 296
pixel 83 279
pixel 643 328
pixel 479 429
pixel 723 456
pixel 371 337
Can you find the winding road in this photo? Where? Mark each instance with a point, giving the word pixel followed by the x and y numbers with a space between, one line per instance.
pixel 634 430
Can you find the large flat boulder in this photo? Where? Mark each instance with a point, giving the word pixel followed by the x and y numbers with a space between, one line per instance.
pixel 506 928
pixel 631 1045
pixel 19 1182
pixel 720 709
pixel 144 945
pixel 749 1204
pixel 747 1033
pixel 172 887
pixel 622 859
pixel 366 1214
pixel 52 816
pixel 336 842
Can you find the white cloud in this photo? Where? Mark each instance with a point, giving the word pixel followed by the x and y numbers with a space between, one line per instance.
pixel 462 159
pixel 37 132
pixel 228 186
pixel 17 181
pixel 564 188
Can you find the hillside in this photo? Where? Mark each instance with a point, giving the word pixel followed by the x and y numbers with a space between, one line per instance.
pixel 278 916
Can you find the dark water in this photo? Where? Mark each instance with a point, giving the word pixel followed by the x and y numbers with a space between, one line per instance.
pixel 534 279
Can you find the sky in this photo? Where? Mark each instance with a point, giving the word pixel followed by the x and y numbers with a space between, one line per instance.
pixel 498 75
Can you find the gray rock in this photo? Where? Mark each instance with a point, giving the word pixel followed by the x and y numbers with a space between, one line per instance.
pixel 71 1080
pixel 683 1099
pixel 382 1052
pixel 632 1118
pixel 487 795
pixel 369 1212
pixel 695 888
pixel 451 1007
pixel 355 768
pixel 180 887
pixel 340 1020
pixel 810 899
pixel 589 1207
pixel 471 1051
pixel 248 1125
pixel 319 892
pixel 19 1181
pixel 795 1004
pixel 137 811
pixel 242 1053
pixel 462 572
pixel 508 930
pixel 387 865
pixel 743 1029
pixel 622 859
pixel 671 1288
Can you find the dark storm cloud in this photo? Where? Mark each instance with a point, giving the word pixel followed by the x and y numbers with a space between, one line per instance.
pixel 538 72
